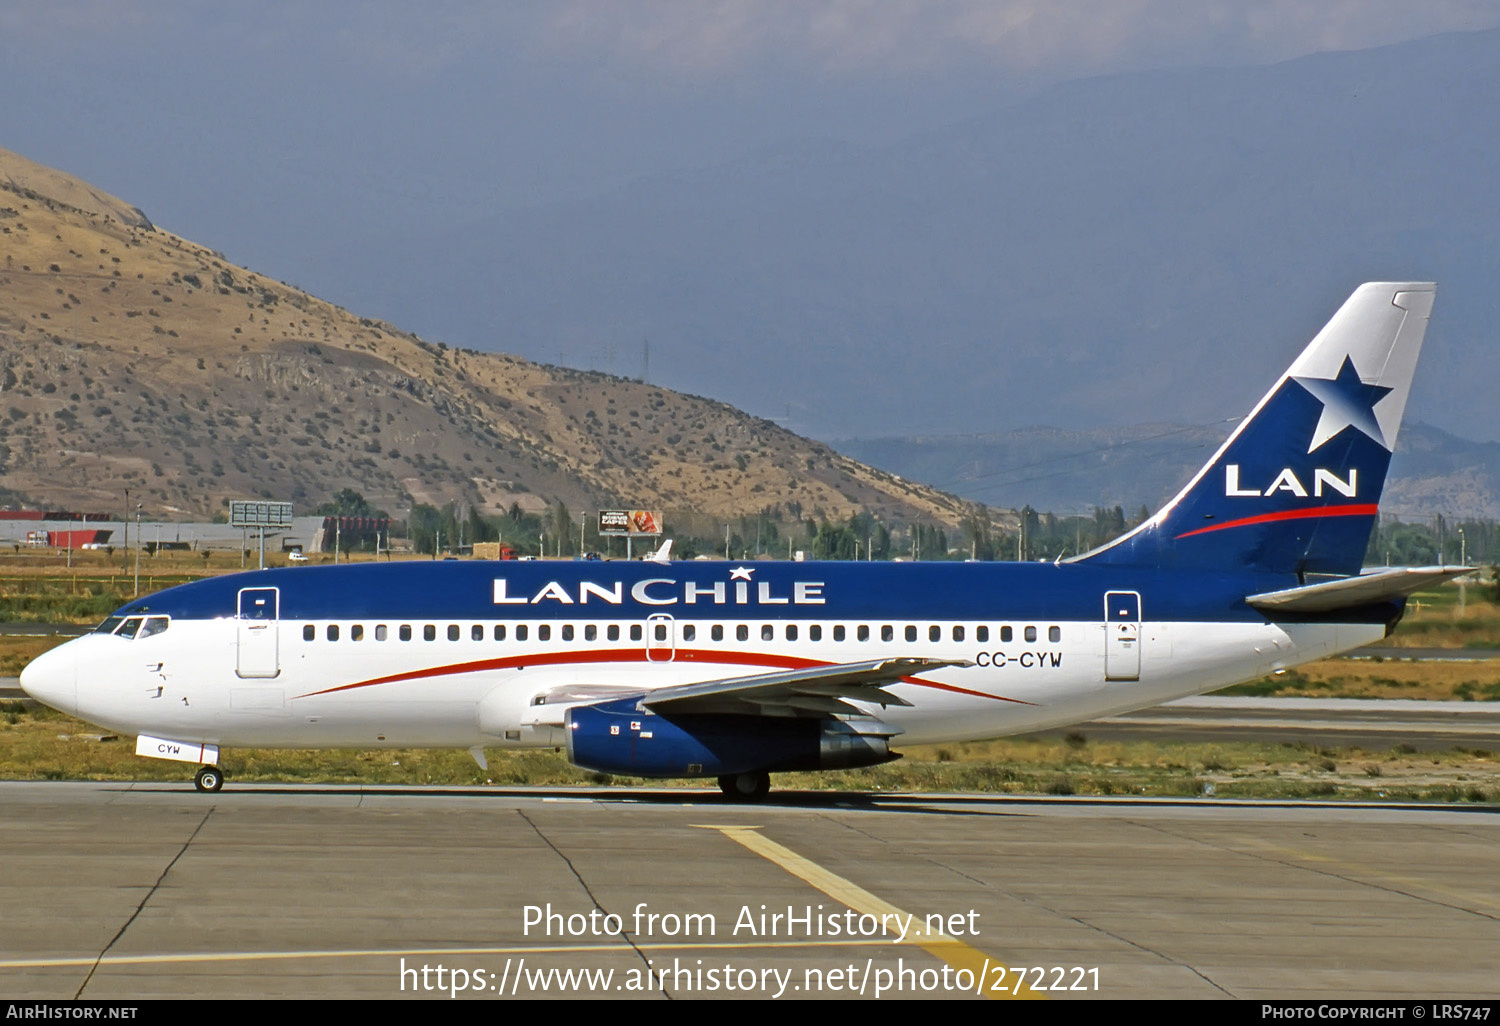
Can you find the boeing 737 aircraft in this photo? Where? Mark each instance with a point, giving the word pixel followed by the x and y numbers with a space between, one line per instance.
pixel 739 670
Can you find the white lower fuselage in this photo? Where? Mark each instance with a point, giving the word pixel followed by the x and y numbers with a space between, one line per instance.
pixel 187 683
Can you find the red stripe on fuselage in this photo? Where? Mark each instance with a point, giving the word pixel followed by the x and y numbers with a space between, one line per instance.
pixel 632 655
pixel 1291 514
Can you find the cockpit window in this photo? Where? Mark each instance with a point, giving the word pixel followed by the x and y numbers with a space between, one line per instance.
pixel 129 627
pixel 109 625
pixel 153 625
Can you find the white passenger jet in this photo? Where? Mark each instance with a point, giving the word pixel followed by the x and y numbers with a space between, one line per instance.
pixel 737 670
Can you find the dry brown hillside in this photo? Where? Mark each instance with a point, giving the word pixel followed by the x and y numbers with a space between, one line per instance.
pixel 132 358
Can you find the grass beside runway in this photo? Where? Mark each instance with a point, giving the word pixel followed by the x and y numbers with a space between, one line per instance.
pixel 38 744
pixel 1433 680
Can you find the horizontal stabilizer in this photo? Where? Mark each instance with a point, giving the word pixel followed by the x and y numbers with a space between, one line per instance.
pixel 1349 592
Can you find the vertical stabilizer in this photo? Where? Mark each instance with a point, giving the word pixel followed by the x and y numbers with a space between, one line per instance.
pixel 1296 487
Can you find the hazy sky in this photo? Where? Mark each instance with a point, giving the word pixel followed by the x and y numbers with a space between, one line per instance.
pixel 203 112
pixel 280 132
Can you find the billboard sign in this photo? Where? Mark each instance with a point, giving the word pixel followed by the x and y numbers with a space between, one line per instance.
pixel 629 521
pixel 260 514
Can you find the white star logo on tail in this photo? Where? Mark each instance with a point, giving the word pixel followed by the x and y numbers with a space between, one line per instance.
pixel 1347 402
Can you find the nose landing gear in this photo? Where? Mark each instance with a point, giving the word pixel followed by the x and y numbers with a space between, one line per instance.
pixel 209 778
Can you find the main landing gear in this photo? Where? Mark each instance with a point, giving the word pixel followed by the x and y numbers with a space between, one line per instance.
pixel 209 778
pixel 745 787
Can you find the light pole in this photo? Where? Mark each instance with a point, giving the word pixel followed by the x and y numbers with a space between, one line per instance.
pixel 1463 560
pixel 137 548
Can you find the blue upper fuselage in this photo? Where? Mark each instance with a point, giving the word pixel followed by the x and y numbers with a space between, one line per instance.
pixel 602 590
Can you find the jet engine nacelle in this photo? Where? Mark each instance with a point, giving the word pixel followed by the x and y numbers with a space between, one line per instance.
pixel 617 737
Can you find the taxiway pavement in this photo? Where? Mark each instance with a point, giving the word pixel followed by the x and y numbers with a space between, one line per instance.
pixel 130 891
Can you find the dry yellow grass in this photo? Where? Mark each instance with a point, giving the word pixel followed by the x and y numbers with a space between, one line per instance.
pixel 1446 680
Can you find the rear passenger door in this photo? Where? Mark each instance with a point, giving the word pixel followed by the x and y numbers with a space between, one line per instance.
pixel 1122 635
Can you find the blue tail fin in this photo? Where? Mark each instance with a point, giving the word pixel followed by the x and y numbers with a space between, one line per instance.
pixel 1295 489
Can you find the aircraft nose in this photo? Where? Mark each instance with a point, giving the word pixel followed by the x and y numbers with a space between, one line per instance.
pixel 52 679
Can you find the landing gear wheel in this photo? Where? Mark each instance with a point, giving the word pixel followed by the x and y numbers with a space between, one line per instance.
pixel 209 778
pixel 745 787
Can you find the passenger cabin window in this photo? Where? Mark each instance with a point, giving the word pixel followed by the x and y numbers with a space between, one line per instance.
pixel 429 632
pixel 635 632
pixel 380 632
pixel 1031 634
pixel 767 632
pixel 717 633
pixel 661 632
pixel 863 633
pixel 612 632
pixel 333 632
pixel 791 632
pixel 476 632
pixel 309 632
pixel 405 632
pixel 520 632
pixel 911 633
pixel 742 633
pixel 981 634
pixel 1054 634
pixel 544 632
pixel 1005 635
pixel 453 632
pixel 838 632
pixel 958 634
pixel 689 632
pixel 934 633
pixel 357 632
pixel 814 633
pixel 567 632
pixel 591 632
pixel 888 633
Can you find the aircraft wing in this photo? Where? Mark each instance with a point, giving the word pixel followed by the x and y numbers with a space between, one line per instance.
pixel 1348 592
pixel 816 690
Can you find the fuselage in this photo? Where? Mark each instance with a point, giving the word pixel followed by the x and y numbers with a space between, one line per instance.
pixel 467 654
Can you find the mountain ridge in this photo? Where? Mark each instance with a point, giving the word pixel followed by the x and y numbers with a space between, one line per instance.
pixel 136 359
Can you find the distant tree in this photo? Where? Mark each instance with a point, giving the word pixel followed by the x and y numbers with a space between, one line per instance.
pixel 347 503
pixel 478 529
pixel 834 541
pixel 562 529
pixel 423 528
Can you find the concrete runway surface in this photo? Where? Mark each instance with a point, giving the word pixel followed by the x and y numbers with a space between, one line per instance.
pixel 132 891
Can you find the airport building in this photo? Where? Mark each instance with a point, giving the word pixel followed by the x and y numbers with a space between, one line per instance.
pixel 61 529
